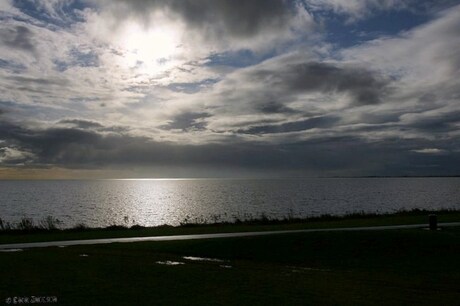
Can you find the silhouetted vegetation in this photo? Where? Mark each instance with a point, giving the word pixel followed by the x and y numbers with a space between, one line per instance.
pixel 26 224
pixel 49 223
pixel 265 219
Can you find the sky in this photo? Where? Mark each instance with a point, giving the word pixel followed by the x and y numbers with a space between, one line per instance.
pixel 228 88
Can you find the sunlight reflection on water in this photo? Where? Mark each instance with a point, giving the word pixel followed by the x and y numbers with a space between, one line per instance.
pixel 156 202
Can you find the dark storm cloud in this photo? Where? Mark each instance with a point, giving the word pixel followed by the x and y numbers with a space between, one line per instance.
pixel 82 123
pixel 311 123
pixel 273 107
pixel 11 132
pixel 356 156
pixel 365 87
pixel 439 123
pixel 379 118
pixel 76 148
pixel 18 37
pixel 236 18
pixel 187 121
pixel 50 146
pixel 17 134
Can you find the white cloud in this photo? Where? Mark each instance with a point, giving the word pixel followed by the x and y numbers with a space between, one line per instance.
pixel 429 151
pixel 216 25
pixel 6 7
pixel 427 54
pixel 93 68
pixel 425 66
pixel 10 155
pixel 117 68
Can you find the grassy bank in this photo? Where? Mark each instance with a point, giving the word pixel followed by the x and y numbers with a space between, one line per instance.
pixel 48 230
pixel 400 267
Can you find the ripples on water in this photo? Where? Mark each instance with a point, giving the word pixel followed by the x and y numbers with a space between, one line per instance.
pixel 156 202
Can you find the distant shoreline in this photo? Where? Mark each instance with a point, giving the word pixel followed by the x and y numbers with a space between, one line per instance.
pixel 227 178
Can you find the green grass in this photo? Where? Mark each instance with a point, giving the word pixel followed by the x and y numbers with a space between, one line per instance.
pixel 356 220
pixel 398 267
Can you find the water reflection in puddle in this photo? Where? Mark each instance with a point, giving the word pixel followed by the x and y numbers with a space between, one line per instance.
pixel 170 263
pixel 194 258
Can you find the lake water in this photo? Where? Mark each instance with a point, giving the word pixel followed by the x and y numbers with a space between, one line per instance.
pixel 156 202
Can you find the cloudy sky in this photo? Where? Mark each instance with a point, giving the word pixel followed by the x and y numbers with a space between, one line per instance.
pixel 209 88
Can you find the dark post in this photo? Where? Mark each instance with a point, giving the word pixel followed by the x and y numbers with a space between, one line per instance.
pixel 433 221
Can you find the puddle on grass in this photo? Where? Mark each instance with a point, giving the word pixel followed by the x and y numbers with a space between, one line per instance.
pixel 83 255
pixel 194 258
pixel 170 263
pixel 11 250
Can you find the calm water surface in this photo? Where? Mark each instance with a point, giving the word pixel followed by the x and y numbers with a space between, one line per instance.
pixel 156 202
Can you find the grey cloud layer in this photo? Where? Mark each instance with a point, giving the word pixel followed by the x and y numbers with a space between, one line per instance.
pixel 295 93
pixel 187 121
pixel 311 123
pixel 217 17
pixel 81 123
pixel 220 25
pixel 364 86
pixel 86 148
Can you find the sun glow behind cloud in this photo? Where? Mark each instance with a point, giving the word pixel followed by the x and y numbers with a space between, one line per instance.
pixel 149 49
pixel 253 85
